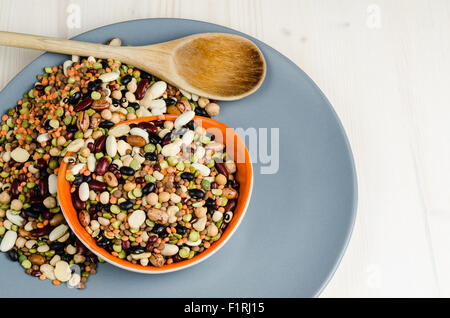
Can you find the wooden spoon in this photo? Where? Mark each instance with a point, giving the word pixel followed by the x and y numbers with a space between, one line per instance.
pixel 214 65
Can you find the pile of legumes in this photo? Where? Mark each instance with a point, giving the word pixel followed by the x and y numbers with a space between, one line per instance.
pixel 69 104
pixel 155 192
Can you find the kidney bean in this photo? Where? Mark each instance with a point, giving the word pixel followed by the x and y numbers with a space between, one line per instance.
pixel 81 249
pixel 149 248
pixel 214 185
pixel 231 205
pixel 152 239
pixel 99 143
pixel 141 89
pixel 149 127
pixel 46 215
pixel 177 258
pixel 36 273
pixel 126 245
pixel 221 168
pixel 41 232
pixel 69 135
pixel 91 146
pixel 158 123
pixel 77 203
pixel 85 104
pixel 97 185
pixel 102 166
pixel 36 200
pixel 15 188
pixel 43 188
pixel 22 177
pixel 139 180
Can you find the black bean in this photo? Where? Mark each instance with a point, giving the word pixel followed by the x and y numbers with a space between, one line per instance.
pixel 180 229
pixel 47 125
pixel 56 246
pixel 72 128
pixel 136 250
pixel 201 112
pixel 13 256
pixel 115 102
pixel 128 171
pixel 209 203
pixel 149 187
pixel 191 125
pixel 87 178
pixel 187 176
pixel 126 205
pixel 103 242
pixel 31 213
pixel 126 79
pixel 146 75
pixel 104 64
pixel 159 229
pixel 150 156
pixel 170 101
pixel 196 193
pixel 66 257
pixel 135 106
pixel 73 99
pixel 106 124
pixel 154 138
pixel 78 179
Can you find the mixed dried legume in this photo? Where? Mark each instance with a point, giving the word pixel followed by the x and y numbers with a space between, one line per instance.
pixel 155 192
pixel 70 108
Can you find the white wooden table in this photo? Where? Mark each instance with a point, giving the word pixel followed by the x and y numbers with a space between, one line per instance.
pixel 385 67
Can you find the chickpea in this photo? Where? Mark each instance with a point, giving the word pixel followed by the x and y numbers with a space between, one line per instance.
pixel 85 152
pixel 117 94
pixel 221 179
pixel 164 196
pixel 54 152
pixel 97 134
pixel 5 197
pixel 212 109
pixel 61 141
pixel 200 212
pixel 131 116
pixel 129 186
pixel 106 114
pixel 202 102
pixel 132 86
pixel 115 117
pixel 50 202
pixel 168 124
pixel 152 198
pixel 130 97
pixel 230 165
pixel 212 230
pixel 16 205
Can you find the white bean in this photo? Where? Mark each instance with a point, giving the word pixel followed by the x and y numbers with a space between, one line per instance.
pixel 136 219
pixel 53 184
pixel 58 232
pixel 109 77
pixel 8 241
pixel 157 89
pixel 119 131
pixel 204 170
pixel 83 191
pixel 184 118
pixel 111 146
pixel 15 218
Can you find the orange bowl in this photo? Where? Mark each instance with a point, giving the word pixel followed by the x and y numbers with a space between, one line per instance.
pixel 244 175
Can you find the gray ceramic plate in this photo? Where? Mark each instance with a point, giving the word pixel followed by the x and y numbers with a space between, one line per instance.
pixel 299 219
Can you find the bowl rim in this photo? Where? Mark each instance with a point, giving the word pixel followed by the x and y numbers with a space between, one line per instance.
pixel 66 202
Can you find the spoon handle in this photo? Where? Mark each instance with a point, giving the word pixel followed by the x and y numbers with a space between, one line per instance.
pixel 70 47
